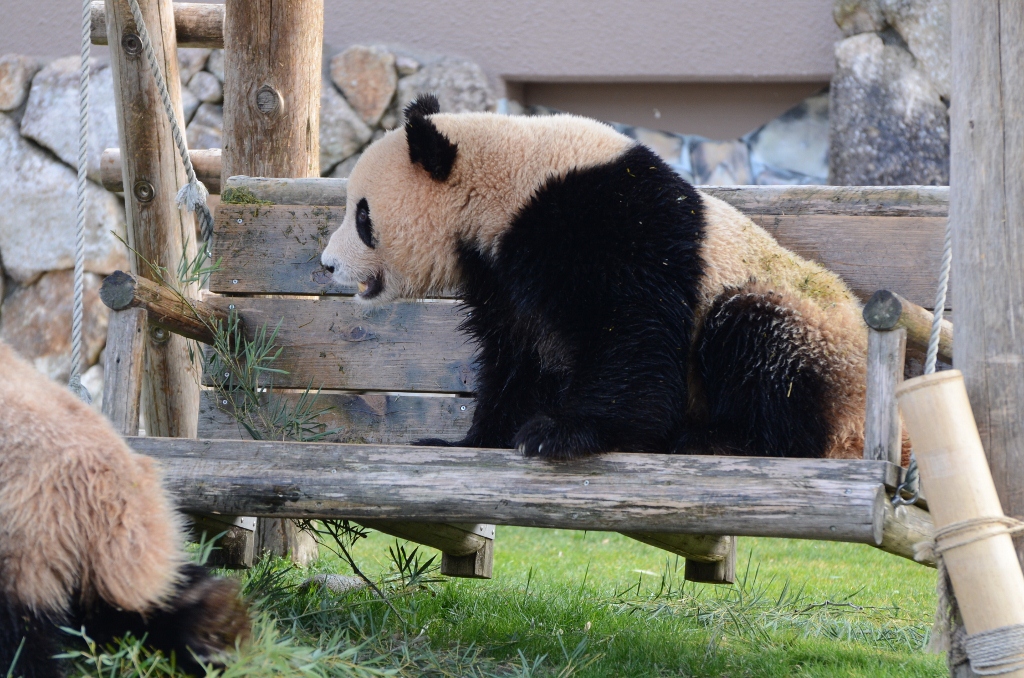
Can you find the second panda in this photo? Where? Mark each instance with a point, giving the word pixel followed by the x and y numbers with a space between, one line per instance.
pixel 615 307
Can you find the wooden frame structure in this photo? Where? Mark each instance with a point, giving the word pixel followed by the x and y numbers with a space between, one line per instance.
pixel 403 373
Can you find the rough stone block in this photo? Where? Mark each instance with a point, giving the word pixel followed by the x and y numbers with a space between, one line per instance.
pixel 206 87
pixel 367 78
pixel 16 73
pixel 342 132
pixel 460 85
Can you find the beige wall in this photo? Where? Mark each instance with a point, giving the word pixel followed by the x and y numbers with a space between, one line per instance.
pixel 527 42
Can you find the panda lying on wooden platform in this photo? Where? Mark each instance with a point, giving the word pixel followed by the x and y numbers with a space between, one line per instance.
pixel 89 538
pixel 615 307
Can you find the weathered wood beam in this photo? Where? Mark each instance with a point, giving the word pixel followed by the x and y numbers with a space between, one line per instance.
pixel 883 432
pixel 196 24
pixel 617 492
pixel 158 232
pixel 720 572
pixel 904 527
pixel 189 318
pixel 122 368
pixel 319 191
pixel 887 311
pixel 206 162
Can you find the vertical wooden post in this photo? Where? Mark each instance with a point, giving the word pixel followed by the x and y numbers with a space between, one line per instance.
pixel 122 368
pixel 152 172
pixel 272 75
pixel 883 433
pixel 986 209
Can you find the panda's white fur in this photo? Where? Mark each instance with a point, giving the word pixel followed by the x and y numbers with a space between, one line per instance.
pixel 496 171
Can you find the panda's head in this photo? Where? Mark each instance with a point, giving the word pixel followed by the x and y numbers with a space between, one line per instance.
pixel 402 213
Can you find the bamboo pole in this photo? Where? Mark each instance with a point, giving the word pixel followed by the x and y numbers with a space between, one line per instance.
pixel 980 556
pixel 272 63
pixel 157 230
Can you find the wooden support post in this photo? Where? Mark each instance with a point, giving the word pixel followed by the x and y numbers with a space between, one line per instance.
pixel 887 310
pixel 709 559
pixel 987 213
pixel 205 161
pixel 196 24
pixel 883 432
pixel 157 230
pixel 189 318
pixel 122 368
pixel 718 572
pixel 272 75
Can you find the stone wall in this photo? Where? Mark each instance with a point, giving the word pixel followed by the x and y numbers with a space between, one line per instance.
pixel 363 94
pixel 890 93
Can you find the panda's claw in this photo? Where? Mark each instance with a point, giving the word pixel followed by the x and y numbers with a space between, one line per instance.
pixel 549 438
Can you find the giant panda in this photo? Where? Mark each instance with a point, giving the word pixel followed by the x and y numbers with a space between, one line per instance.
pixel 614 306
pixel 88 538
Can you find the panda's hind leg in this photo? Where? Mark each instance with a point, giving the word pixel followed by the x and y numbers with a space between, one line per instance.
pixel 766 378
pixel 28 641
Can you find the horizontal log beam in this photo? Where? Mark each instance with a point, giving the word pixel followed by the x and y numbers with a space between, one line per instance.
pixel 904 527
pixel 887 311
pixel 865 201
pixel 455 540
pixel 702 548
pixel 191 319
pixel 196 24
pixel 206 162
pixel 611 492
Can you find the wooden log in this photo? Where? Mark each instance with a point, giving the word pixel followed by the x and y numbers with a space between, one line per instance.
pixel 887 310
pixel 275 249
pixel 721 572
pixel 312 191
pixel 987 212
pixel 904 527
pixel 477 565
pixel 883 431
pixel 192 318
pixel 196 24
pixel 466 550
pixel 978 553
pixel 157 229
pixel 206 162
pixel 877 201
pixel 690 495
pixel 272 62
pixel 122 368
pixel 371 418
pixel 697 547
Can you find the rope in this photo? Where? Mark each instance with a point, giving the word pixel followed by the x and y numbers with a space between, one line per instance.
pixel 75 381
pixel 940 300
pixel 989 651
pixel 192 195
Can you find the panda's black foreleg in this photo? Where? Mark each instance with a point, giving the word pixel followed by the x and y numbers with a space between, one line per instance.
pixel 764 383
pixel 28 642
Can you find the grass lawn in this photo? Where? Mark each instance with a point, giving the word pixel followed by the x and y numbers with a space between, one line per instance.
pixel 588 604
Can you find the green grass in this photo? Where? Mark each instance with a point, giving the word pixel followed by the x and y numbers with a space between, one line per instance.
pixel 589 604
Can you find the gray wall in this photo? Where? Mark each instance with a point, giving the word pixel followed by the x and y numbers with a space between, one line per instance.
pixel 529 42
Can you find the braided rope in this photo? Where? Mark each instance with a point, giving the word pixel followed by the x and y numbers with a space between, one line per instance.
pixel 75 381
pixel 192 195
pixel 940 300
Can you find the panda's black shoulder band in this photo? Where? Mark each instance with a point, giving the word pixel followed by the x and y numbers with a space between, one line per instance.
pixel 427 145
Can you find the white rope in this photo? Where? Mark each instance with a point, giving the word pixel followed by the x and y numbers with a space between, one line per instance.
pixel 996 652
pixel 940 300
pixel 75 381
pixel 192 195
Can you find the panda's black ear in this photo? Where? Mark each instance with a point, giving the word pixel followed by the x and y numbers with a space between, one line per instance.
pixel 427 145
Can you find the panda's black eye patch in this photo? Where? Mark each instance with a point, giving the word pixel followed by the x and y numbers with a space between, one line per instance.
pixel 364 227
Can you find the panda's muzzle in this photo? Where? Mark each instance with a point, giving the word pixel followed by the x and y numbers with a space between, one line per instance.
pixel 370 287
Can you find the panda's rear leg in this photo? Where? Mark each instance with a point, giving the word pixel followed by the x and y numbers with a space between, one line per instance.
pixel 765 376
pixel 28 641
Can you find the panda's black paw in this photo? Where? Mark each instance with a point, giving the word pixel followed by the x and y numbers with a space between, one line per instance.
pixel 543 436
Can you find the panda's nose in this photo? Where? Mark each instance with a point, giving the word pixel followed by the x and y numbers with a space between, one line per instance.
pixel 329 268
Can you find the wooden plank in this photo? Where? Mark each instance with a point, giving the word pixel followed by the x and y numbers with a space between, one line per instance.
pixel 276 249
pixel 883 431
pixel 620 492
pixel 155 224
pixel 477 565
pixel 338 343
pixel 311 191
pixel 373 418
pixel 702 548
pixel 455 540
pixel 196 24
pixel 205 161
pixel 877 201
pixel 887 310
pixel 904 527
pixel 122 369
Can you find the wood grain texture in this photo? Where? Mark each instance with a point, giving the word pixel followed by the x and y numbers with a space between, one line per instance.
pixel 987 209
pixel 883 431
pixel 698 547
pixel 192 318
pixel 878 201
pixel 904 527
pixel 156 227
pixel 338 343
pixel 887 310
pixel 276 249
pixel 205 161
pixel 196 24
pixel 479 565
pixel 278 46
pixel 810 499
pixel 450 539
pixel 371 418
pixel 720 572
pixel 312 191
pixel 122 369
